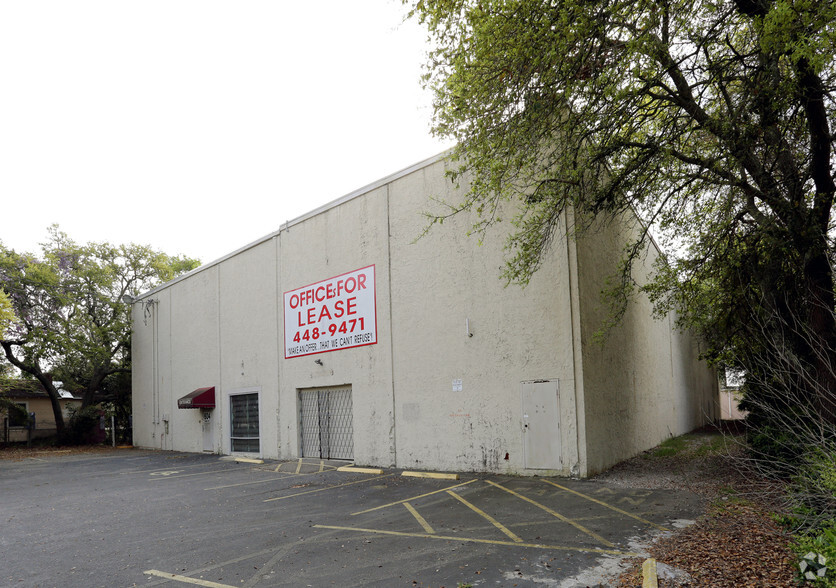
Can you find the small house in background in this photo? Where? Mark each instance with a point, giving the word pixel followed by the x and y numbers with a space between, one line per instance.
pixel 31 396
pixel 343 335
pixel 731 382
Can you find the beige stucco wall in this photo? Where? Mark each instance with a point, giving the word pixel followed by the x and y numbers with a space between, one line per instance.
pixel 144 378
pixel 443 283
pixel 175 350
pixel 443 315
pixel 644 382
pixel 224 326
pixel 194 356
pixel 339 240
pixel 230 307
pixel 248 318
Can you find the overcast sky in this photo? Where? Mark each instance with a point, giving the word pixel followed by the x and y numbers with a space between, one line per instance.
pixel 199 126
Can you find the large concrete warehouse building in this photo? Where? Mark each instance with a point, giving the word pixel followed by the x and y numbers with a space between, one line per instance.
pixel 344 336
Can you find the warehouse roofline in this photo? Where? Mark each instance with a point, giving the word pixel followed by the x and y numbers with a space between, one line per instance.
pixel 287 224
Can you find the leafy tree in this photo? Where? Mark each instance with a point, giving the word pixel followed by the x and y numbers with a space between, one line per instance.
pixel 709 119
pixel 7 316
pixel 71 321
pixel 7 313
pixel 116 395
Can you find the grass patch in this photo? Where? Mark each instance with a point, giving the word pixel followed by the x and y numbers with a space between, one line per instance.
pixel 698 444
pixel 671 446
pixel 711 445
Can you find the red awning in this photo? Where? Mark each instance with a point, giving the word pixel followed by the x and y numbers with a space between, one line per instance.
pixel 200 398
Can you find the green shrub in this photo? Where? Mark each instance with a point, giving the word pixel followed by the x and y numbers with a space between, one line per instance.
pixel 819 543
pixel 82 426
pixel 15 412
pixel 813 488
pixel 812 496
pixel 771 445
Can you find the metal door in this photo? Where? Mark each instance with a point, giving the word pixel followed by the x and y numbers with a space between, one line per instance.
pixel 326 423
pixel 208 432
pixel 541 425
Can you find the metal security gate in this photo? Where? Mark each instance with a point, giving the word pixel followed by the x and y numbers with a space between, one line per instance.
pixel 326 423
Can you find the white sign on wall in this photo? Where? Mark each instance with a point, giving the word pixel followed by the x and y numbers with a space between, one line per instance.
pixel 337 313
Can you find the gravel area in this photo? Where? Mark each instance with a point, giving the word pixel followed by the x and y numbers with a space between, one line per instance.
pixel 703 462
pixel 736 543
pixel 21 452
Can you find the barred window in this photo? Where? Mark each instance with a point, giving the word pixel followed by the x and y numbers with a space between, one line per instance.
pixel 244 434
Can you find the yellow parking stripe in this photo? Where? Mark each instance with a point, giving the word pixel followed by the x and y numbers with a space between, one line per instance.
pixel 328 488
pixel 299 466
pixel 554 514
pixel 186 579
pixel 489 541
pixel 609 506
pixel 489 518
pixel 419 518
pixel 412 498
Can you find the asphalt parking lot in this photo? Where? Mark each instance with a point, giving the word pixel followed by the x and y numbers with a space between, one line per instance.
pixel 141 518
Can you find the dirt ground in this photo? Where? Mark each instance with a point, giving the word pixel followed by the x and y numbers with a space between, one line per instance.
pixel 736 543
pixel 21 452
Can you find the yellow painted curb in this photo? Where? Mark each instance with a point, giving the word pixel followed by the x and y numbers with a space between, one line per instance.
pixel 434 475
pixel 359 470
pixel 248 460
pixel 649 579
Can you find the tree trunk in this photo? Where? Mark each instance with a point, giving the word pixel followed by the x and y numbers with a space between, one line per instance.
pixel 822 324
pixel 45 381
pixel 817 271
pixel 93 386
pixel 56 406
